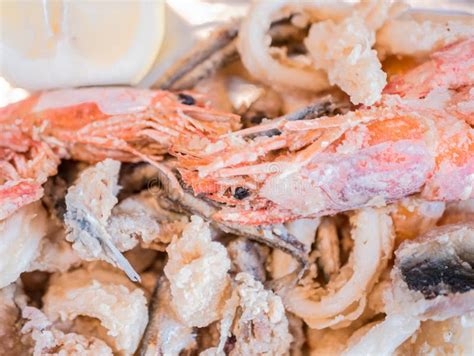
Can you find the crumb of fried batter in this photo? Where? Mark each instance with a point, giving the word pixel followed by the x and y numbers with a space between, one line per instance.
pixel 345 51
pixel 262 312
pixel 197 270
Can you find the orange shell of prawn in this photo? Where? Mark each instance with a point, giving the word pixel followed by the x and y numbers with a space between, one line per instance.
pixel 417 140
pixel 91 124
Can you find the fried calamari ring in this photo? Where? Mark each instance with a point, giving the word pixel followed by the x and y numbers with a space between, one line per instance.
pixel 344 297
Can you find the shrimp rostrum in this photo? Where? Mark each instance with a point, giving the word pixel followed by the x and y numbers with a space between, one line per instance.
pixel 417 139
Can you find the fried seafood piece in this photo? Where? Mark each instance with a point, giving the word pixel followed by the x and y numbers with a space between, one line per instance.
pixel 373 339
pixel 92 124
pixel 105 295
pixel 412 33
pixel 348 62
pixel 276 236
pixel 327 245
pixel 413 217
pixel 20 237
pixel 344 298
pixel 451 67
pixel 165 334
pixel 54 253
pixel 89 205
pixel 140 219
pixel 432 280
pixel 249 257
pixel 296 328
pixel 304 230
pixel 333 341
pixel 412 142
pixel 437 265
pixel 10 315
pixel 254 322
pixel 328 341
pixel 344 51
pixel 454 336
pixel 253 45
pixel 262 326
pixel 100 228
pixel 197 269
pixel 48 340
pixel 458 212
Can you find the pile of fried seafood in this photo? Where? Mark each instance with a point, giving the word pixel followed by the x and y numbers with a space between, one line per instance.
pixel 301 183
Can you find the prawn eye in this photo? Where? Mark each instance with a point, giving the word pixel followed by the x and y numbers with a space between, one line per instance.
pixel 241 193
pixel 186 99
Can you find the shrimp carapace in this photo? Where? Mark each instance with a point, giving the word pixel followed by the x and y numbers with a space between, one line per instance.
pixel 406 144
pixel 92 124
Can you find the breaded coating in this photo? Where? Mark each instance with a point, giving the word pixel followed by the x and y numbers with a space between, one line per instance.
pixel 344 298
pixel 100 229
pixel 253 323
pixel 327 341
pixel 140 218
pixel 345 51
pixel 262 326
pixel 248 256
pixel 454 336
pixel 89 205
pixel 411 37
pixel 105 295
pixel 413 217
pixel 55 254
pixel 166 334
pixel 49 340
pixel 197 270
pixel 282 263
pixel 10 338
pixel 20 236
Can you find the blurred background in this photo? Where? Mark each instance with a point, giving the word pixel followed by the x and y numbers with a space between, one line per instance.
pixel 56 43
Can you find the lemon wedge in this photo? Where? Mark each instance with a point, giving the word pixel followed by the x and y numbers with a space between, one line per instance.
pixel 51 44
